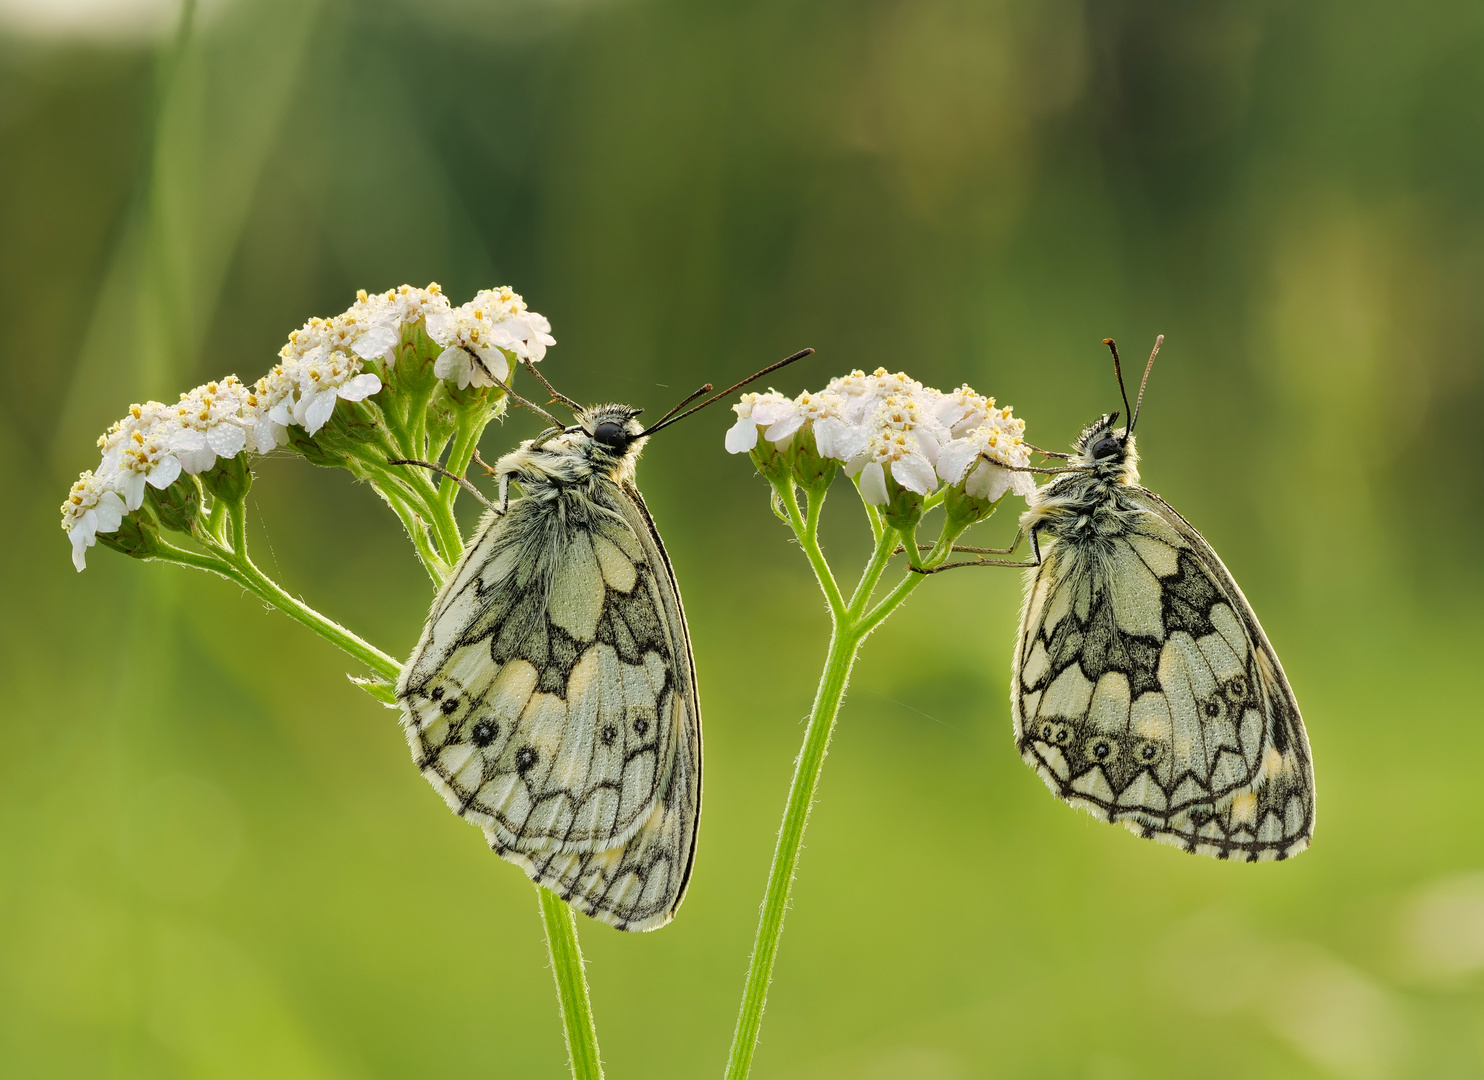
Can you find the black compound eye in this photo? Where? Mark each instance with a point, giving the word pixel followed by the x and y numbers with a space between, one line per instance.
pixel 1105 447
pixel 610 434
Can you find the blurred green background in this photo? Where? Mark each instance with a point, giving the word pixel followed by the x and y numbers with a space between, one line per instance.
pixel 216 859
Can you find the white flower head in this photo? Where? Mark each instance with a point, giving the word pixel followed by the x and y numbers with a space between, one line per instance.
pixel 897 454
pixel 781 419
pixel 139 449
pixel 320 365
pixel 91 508
pixel 978 459
pixel 405 305
pixel 963 410
pixel 754 411
pixel 861 393
pixel 483 338
pixel 212 421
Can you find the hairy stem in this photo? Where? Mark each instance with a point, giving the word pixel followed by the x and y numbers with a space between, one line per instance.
pixel 807 530
pixel 571 986
pixel 844 644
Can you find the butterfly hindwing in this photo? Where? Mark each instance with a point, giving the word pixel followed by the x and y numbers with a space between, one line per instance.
pixel 1145 692
pixel 552 703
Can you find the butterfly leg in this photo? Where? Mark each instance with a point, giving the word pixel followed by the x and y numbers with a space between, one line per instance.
pixel 432 466
pixel 973 562
pixel 1034 560
pixel 966 550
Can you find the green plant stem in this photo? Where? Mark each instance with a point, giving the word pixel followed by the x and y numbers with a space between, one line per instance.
pixel 838 662
pixel 807 530
pixel 417 531
pixel 465 439
pixel 571 985
pixel 416 489
pixel 852 622
pixel 234 564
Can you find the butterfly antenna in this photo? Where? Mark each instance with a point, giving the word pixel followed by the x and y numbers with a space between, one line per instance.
pixel 1139 402
pixel 703 390
pixel 556 394
pixel 668 420
pixel 1118 371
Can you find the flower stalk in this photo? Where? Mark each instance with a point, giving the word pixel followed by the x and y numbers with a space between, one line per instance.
pixel 911 450
pixel 571 985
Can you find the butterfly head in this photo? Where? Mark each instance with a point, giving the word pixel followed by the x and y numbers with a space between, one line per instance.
pixel 611 436
pixel 1106 448
pixel 1103 447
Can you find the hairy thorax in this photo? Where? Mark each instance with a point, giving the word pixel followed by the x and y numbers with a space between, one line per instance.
pixel 1087 508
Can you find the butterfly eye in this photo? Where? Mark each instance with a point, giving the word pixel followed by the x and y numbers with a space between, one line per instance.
pixel 610 434
pixel 1105 447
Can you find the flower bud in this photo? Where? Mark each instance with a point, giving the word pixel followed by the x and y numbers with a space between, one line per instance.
pixel 137 535
pixel 176 505
pixel 229 480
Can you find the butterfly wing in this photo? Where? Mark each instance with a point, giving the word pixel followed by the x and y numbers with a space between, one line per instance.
pixel 1144 691
pixel 552 702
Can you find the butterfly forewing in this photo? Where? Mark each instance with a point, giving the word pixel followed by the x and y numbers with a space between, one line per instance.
pixel 551 701
pixel 1145 692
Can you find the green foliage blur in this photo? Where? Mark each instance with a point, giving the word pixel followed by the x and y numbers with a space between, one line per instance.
pixel 216 858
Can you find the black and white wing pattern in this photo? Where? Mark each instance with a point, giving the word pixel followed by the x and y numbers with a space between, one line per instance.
pixel 1144 691
pixel 552 702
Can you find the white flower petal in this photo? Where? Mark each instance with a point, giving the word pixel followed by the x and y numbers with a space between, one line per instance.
pixel 133 490
pixel 82 539
pixel 440 326
pixel 826 436
pixel 453 363
pixel 873 484
pixel 359 387
pixel 741 436
pixel 496 364
pixel 266 435
pixel 954 458
pixel 164 472
pixel 317 410
pixel 109 513
pixel 989 481
pixel 784 429
pixel 915 473
pixel 227 440
pixel 851 442
pixel 376 342
pixel 770 412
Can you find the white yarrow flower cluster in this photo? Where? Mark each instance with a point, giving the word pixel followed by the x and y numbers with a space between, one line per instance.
pixel 888 426
pixel 323 363
pixel 91 508
pixel 483 338
pixel 154 444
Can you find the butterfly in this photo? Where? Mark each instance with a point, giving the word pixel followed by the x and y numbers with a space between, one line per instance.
pixel 1144 691
pixel 551 699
